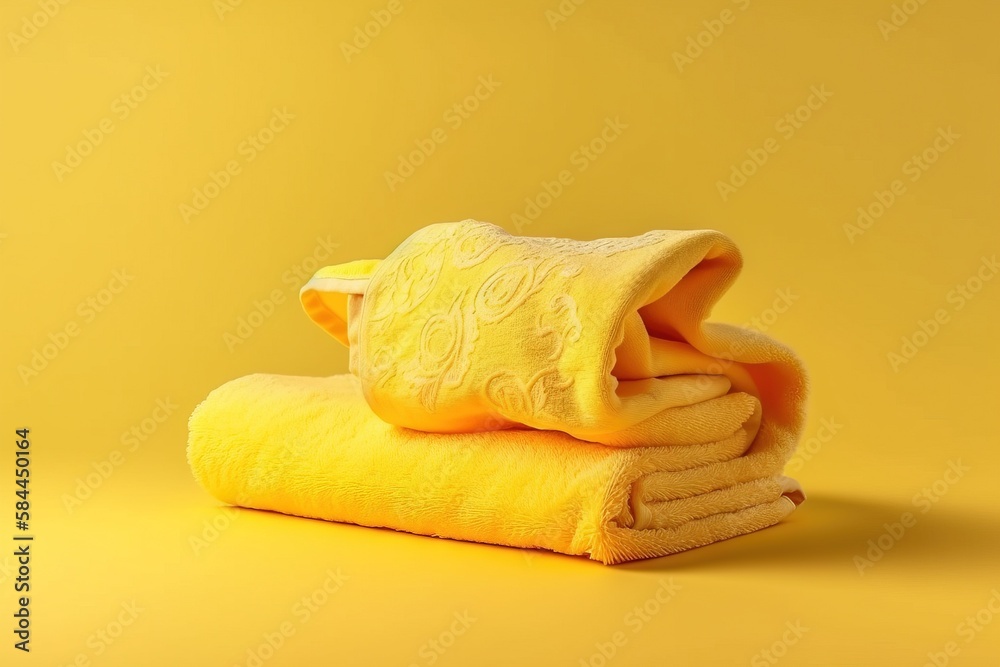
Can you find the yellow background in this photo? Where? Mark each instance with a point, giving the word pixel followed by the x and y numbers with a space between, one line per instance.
pixel 163 336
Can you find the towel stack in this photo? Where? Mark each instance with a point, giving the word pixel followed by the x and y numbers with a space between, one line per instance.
pixel 540 393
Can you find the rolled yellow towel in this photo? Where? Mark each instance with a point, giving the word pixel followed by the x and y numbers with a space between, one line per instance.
pixel 465 327
pixel 313 447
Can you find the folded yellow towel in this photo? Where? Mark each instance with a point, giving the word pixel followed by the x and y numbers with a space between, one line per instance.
pixel 466 328
pixel 312 447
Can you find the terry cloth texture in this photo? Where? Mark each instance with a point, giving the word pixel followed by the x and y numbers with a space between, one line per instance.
pixel 312 447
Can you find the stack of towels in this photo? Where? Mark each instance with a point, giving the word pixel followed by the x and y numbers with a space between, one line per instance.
pixel 531 392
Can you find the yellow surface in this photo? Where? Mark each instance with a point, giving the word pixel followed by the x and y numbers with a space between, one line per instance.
pixel 177 319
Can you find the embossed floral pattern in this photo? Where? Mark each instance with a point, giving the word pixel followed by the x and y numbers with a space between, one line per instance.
pixel 602 247
pixel 443 355
pixel 405 282
pixel 475 244
pixel 560 323
pixel 432 346
pixel 381 366
pixel 506 391
pixel 520 401
pixel 505 290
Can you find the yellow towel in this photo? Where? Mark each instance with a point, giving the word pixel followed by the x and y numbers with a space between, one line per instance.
pixel 467 328
pixel 312 447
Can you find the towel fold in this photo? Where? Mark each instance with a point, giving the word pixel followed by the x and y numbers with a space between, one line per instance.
pixel 313 447
pixel 465 327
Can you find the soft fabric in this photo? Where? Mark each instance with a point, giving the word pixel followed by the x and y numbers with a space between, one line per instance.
pixel 312 447
pixel 465 327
